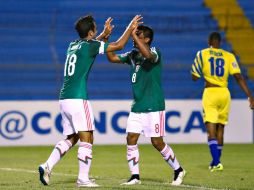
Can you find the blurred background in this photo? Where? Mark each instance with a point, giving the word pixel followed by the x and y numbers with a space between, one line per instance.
pixel 36 33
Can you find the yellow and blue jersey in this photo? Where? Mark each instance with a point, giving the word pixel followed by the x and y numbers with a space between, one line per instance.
pixel 215 65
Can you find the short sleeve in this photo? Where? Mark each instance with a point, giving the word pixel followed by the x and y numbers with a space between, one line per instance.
pixel 196 68
pixel 125 57
pixel 97 47
pixel 233 66
pixel 155 52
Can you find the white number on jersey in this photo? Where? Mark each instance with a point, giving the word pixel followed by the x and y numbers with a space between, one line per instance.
pixel 70 62
pixel 133 78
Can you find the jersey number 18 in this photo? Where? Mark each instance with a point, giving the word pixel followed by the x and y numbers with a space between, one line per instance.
pixel 217 66
pixel 70 62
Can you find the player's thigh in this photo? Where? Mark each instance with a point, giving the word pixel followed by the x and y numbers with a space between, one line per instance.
pixel 154 124
pixel 65 107
pixel 83 118
pixel 210 106
pixel 224 108
pixel 134 123
pixel 79 114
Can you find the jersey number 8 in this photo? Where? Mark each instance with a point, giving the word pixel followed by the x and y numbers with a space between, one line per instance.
pixel 70 62
pixel 133 78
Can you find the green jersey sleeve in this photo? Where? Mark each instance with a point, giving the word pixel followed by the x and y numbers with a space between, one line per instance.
pixel 149 64
pixel 97 47
pixel 156 53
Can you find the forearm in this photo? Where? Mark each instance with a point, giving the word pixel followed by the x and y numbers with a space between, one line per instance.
pixel 120 43
pixel 112 57
pixel 143 48
pixel 240 80
pixel 101 36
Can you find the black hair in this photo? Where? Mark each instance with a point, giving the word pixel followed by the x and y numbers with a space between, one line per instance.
pixel 84 25
pixel 215 36
pixel 147 32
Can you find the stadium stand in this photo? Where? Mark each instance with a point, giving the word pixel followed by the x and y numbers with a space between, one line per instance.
pixel 239 31
pixel 35 35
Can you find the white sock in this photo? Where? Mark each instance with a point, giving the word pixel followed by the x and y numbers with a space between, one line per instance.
pixel 85 160
pixel 133 158
pixel 59 151
pixel 169 157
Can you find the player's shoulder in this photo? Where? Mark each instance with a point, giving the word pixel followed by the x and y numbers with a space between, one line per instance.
pixel 131 54
pixel 74 42
pixel 203 51
pixel 74 45
pixel 125 54
pixel 227 53
pixel 94 41
pixel 212 51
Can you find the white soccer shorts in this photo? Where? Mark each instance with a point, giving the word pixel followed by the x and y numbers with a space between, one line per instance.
pixel 151 124
pixel 77 116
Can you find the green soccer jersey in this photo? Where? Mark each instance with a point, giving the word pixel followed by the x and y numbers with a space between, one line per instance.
pixel 146 81
pixel 80 57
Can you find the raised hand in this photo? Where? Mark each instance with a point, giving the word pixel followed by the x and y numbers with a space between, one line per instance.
pixel 134 31
pixel 137 20
pixel 108 27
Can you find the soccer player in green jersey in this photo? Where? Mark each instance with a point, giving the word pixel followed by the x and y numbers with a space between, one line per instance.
pixel 215 65
pixel 76 111
pixel 147 114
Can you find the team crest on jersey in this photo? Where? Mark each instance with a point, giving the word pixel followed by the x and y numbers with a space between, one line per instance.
pixel 234 64
pixel 137 68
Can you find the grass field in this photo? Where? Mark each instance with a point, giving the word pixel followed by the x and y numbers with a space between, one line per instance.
pixel 18 168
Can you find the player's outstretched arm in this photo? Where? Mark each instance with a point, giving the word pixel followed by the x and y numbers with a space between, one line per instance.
pixel 112 57
pixel 106 31
pixel 240 80
pixel 143 48
pixel 120 43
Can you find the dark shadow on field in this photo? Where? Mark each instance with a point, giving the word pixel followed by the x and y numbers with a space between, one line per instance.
pixel 144 180
pixel 68 181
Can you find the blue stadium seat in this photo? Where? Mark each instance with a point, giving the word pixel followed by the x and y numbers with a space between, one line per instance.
pixel 248 7
pixel 36 34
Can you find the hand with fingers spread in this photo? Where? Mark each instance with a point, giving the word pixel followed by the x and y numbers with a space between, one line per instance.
pixel 106 31
pixel 137 20
pixel 120 43
pixel 108 27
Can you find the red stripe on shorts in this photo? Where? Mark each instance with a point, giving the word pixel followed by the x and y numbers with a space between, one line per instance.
pixel 88 119
pixel 160 123
pixel 163 123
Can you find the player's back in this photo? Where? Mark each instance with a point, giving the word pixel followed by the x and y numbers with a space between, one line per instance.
pixel 80 57
pixel 215 65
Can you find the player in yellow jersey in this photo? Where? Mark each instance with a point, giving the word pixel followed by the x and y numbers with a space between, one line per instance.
pixel 216 65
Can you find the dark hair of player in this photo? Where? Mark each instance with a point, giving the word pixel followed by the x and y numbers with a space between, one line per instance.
pixel 84 25
pixel 147 32
pixel 214 37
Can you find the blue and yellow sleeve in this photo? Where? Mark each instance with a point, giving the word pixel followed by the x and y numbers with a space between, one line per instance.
pixel 196 68
pixel 234 67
